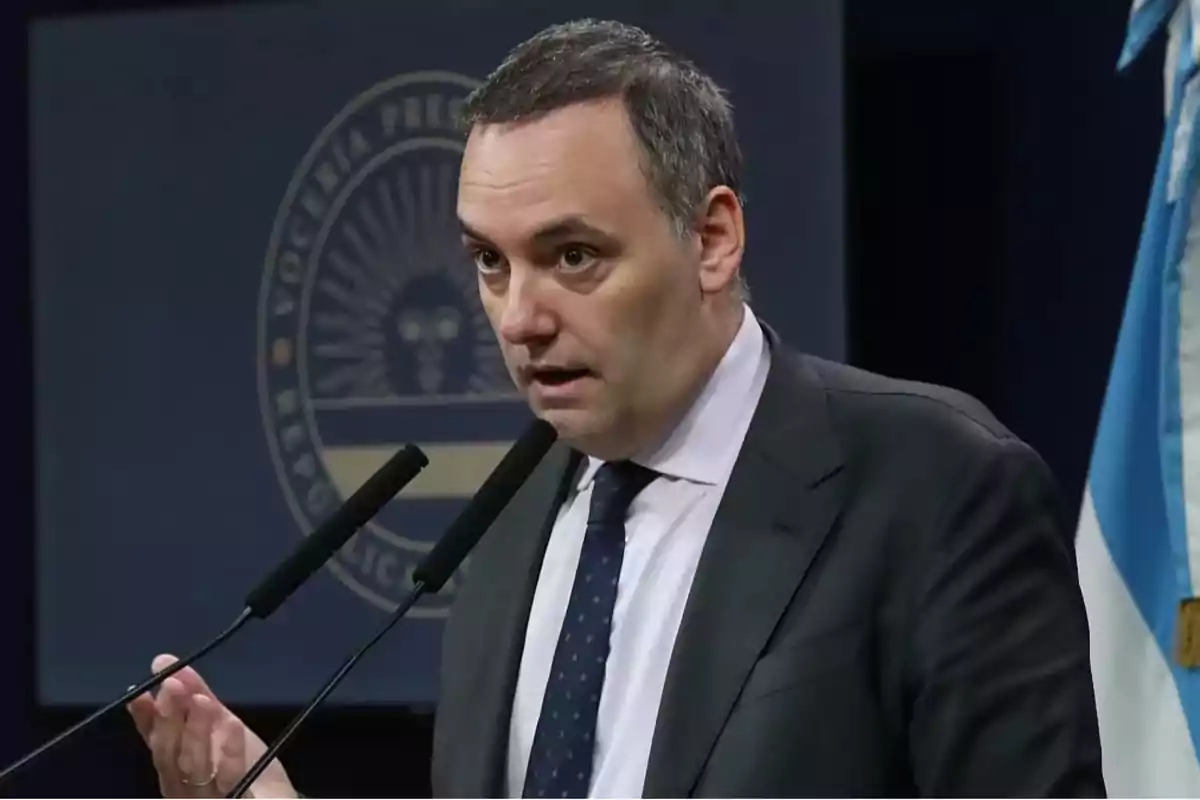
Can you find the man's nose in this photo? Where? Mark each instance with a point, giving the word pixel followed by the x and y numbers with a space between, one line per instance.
pixel 526 316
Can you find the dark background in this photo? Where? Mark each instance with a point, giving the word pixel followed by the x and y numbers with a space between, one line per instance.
pixel 998 171
pixel 162 143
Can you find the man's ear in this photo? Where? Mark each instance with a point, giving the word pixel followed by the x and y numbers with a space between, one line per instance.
pixel 722 231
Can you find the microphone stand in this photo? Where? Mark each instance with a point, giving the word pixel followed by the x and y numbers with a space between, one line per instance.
pixel 132 692
pixel 261 764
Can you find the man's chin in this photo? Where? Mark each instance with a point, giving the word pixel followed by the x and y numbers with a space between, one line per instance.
pixel 572 424
pixel 584 430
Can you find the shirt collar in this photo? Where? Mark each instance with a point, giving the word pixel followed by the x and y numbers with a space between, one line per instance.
pixel 700 448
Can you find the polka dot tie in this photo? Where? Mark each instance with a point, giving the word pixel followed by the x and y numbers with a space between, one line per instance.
pixel 560 762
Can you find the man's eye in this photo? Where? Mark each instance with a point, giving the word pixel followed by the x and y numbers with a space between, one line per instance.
pixel 577 258
pixel 487 260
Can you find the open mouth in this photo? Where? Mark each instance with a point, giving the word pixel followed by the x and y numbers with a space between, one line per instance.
pixel 553 376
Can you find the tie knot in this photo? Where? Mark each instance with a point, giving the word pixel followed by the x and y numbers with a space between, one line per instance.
pixel 615 486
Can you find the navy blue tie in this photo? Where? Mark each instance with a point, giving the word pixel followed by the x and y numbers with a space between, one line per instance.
pixel 560 761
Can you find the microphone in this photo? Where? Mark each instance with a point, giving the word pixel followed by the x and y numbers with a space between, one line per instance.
pixel 262 601
pixel 436 568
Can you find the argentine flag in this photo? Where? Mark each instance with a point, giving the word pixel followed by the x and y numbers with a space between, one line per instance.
pixel 1139 531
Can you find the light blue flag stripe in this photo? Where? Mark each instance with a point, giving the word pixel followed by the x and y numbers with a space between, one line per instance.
pixel 1146 17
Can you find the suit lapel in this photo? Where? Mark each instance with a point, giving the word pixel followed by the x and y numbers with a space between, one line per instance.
pixel 781 500
pixel 517 548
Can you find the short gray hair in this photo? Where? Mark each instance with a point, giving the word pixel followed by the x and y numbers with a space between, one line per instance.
pixel 681 117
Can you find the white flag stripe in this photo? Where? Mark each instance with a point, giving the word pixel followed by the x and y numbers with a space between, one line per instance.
pixel 1189 387
pixel 1144 734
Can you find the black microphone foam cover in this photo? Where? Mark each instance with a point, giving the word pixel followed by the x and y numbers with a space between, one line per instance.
pixel 320 545
pixel 483 509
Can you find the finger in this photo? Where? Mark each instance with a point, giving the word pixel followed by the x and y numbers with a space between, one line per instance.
pixel 144 714
pixel 195 749
pixel 231 743
pixel 161 662
pixel 190 679
pixel 171 711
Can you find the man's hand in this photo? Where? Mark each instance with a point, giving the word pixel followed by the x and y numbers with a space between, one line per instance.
pixel 199 747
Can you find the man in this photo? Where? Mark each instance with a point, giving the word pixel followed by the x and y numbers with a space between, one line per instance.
pixel 742 571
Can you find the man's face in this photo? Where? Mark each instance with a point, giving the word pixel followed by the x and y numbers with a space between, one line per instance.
pixel 594 299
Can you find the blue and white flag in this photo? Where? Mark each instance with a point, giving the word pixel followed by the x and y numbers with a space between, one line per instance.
pixel 1139 531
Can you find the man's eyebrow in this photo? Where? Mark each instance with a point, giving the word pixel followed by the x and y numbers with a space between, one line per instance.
pixel 569 227
pixel 555 231
pixel 470 232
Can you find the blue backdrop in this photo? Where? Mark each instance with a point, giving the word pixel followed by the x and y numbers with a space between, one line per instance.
pixel 249 291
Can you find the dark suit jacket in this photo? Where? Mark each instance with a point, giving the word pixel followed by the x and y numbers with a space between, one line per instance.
pixel 887 604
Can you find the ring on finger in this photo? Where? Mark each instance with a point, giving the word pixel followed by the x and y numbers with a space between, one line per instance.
pixel 212 776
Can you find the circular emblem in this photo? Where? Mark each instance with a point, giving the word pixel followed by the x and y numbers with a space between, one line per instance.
pixel 371 333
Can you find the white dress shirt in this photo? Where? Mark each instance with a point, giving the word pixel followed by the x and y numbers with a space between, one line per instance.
pixel 665 533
